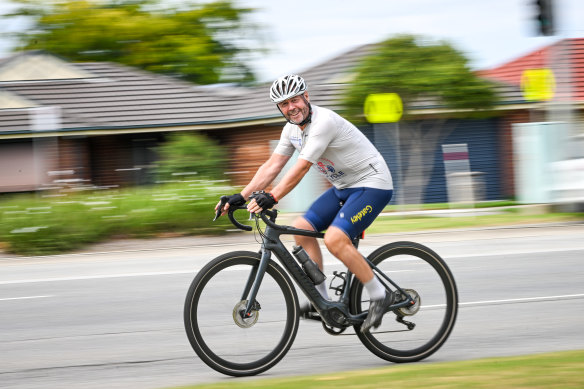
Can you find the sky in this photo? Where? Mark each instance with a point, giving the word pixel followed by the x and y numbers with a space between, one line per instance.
pixel 304 33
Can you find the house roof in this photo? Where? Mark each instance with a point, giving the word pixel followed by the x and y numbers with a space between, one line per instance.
pixel 566 60
pixel 103 97
pixel 112 96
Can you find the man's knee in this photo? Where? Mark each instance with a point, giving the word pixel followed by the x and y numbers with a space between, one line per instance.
pixel 335 239
pixel 302 224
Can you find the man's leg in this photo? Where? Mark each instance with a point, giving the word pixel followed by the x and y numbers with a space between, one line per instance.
pixel 360 207
pixel 339 244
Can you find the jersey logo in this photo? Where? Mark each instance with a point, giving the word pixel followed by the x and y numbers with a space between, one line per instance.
pixel 327 167
pixel 296 140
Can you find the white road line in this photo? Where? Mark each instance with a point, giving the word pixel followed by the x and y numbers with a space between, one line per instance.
pixel 511 252
pixel 96 277
pixel 524 300
pixel 23 298
pixel 511 301
pixel 104 276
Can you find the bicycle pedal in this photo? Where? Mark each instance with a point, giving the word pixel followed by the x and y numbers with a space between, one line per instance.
pixel 308 312
pixel 313 316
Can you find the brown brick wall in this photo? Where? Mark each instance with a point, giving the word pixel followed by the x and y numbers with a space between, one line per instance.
pixel 249 148
pixel 109 154
pixel 74 156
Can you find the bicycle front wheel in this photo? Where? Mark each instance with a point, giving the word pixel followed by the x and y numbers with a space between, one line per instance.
pixel 413 333
pixel 218 333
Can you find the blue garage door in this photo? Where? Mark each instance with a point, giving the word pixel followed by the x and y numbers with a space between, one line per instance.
pixel 481 137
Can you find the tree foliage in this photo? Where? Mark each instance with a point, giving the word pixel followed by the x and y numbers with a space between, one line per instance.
pixel 190 154
pixel 422 73
pixel 419 71
pixel 201 43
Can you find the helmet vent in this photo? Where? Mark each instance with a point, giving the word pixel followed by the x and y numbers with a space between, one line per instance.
pixel 287 87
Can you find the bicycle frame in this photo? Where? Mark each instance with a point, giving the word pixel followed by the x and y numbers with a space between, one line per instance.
pixel 333 313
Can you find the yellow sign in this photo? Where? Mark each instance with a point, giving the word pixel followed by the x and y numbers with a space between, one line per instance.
pixel 383 108
pixel 538 84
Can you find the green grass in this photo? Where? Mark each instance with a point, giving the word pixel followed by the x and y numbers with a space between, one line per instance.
pixel 506 217
pixel 552 370
pixel 62 222
pixel 507 214
pixel 37 225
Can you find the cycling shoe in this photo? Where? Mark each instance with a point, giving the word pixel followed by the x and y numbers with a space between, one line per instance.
pixel 377 309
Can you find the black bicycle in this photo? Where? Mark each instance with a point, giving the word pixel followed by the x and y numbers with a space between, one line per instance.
pixel 242 310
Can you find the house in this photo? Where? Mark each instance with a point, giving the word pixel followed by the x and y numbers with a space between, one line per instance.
pixel 98 124
pixel 549 153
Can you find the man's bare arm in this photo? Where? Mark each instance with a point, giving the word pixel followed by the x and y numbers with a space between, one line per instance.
pixel 266 174
pixel 292 178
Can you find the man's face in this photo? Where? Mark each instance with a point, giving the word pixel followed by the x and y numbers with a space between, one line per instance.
pixel 295 109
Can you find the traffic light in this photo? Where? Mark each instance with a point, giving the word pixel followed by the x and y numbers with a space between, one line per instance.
pixel 544 17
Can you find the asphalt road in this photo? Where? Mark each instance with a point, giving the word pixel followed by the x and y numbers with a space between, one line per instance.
pixel 111 317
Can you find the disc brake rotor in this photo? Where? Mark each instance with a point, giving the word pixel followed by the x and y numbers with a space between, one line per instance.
pixel 411 309
pixel 244 322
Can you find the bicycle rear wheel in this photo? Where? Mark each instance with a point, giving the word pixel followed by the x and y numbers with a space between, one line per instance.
pixel 426 277
pixel 219 335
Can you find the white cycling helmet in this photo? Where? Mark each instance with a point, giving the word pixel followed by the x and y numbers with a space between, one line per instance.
pixel 287 87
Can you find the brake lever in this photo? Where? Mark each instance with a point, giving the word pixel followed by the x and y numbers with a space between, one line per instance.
pixel 223 201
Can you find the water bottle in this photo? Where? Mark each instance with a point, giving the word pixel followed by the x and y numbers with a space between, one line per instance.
pixel 310 267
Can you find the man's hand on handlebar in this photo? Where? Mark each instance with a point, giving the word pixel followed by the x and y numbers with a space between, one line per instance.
pixel 223 205
pixel 261 200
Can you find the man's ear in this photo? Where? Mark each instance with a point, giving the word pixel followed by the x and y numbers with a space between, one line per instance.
pixel 306 96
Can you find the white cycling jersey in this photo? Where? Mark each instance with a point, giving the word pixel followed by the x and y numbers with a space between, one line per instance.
pixel 338 150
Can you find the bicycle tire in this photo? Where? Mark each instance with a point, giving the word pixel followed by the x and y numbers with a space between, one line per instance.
pixel 410 263
pixel 245 356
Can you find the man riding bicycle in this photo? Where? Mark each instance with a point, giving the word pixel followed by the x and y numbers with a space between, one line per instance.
pixel 362 184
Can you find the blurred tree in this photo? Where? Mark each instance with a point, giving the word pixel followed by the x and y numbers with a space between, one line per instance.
pixel 190 154
pixel 419 71
pixel 205 43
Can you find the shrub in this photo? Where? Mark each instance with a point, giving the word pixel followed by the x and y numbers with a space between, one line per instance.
pixel 190 154
pixel 34 225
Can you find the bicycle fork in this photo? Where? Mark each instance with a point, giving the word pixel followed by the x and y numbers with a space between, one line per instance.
pixel 253 283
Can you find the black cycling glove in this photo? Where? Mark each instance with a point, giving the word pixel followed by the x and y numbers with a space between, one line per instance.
pixel 235 200
pixel 264 199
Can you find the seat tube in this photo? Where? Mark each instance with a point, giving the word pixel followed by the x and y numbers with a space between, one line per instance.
pixel 347 287
pixel 259 276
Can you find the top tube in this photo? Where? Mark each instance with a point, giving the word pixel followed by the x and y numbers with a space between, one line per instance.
pixel 268 217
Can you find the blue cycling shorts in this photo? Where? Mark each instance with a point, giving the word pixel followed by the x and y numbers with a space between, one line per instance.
pixel 352 209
